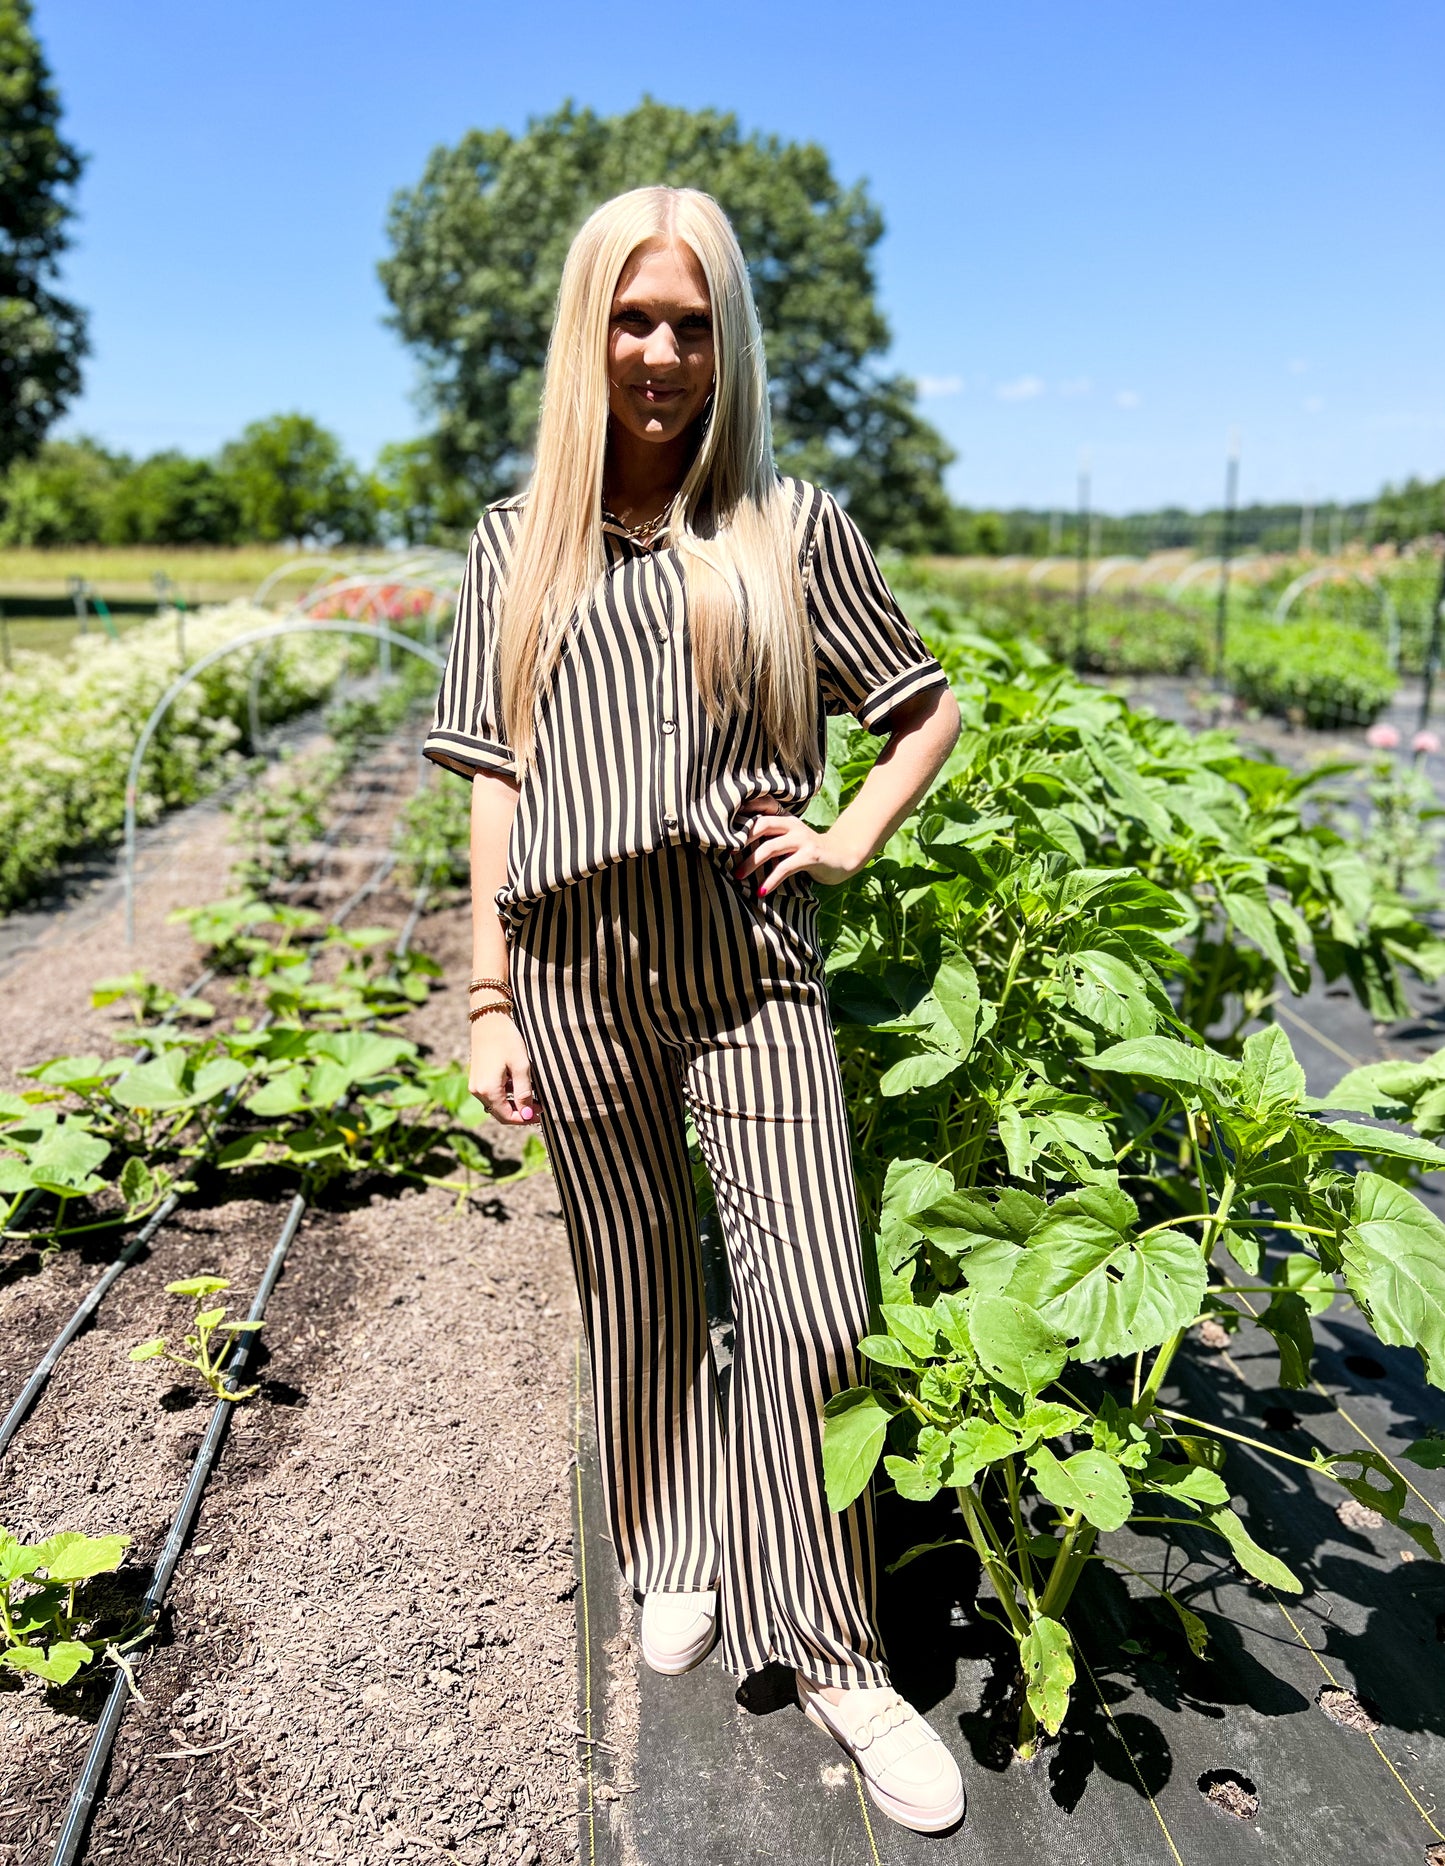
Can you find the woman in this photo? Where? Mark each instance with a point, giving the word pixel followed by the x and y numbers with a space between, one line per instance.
pixel 645 648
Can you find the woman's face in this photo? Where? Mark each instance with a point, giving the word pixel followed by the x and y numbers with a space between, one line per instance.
pixel 660 343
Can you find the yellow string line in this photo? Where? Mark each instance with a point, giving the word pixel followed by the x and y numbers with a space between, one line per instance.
pixel 1163 1824
pixel 1374 1740
pixel 586 1616
pixel 867 1824
pixel 1319 1036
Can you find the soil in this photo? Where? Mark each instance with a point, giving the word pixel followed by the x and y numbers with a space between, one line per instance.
pixel 1345 1709
pixel 1235 1794
pixel 367 1652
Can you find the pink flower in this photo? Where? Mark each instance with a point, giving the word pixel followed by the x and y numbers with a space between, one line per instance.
pixel 1425 742
pixel 1383 737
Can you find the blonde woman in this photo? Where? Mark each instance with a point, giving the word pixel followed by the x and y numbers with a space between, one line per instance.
pixel 646 646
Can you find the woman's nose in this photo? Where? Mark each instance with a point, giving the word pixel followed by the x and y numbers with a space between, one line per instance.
pixel 660 350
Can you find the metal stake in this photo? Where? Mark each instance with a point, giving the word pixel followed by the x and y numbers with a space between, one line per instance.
pixel 1226 545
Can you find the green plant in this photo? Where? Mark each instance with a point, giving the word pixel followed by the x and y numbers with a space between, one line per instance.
pixel 995 1307
pixel 1067 1129
pixel 435 836
pixel 39 1622
pixel 210 1344
pixel 1317 673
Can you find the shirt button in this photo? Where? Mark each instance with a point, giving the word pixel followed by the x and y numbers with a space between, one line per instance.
pixel 669 725
pixel 669 822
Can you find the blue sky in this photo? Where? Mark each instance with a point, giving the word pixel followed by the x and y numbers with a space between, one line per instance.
pixel 1124 227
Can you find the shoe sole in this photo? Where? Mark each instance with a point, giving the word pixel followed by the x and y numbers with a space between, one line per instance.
pixel 673 1666
pixel 898 1811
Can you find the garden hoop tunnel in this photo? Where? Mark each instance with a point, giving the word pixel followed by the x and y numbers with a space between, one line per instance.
pixel 371 631
pixel 1389 614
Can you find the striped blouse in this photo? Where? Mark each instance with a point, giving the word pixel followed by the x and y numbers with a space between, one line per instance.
pixel 627 759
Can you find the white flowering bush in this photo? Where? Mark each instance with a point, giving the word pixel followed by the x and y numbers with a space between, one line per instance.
pixel 68 728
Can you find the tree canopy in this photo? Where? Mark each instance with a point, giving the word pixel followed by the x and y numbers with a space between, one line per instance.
pixel 291 479
pixel 477 252
pixel 42 336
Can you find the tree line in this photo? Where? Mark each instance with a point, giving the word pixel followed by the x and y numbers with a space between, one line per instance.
pixel 475 256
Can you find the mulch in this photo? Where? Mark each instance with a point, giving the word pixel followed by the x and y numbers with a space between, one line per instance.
pixel 367 1652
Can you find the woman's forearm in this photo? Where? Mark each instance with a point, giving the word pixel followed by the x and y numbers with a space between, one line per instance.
pixel 924 733
pixel 494 805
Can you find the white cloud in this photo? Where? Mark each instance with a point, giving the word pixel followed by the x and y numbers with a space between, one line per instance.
pixel 1128 398
pixel 1312 404
pixel 940 385
pixel 1076 385
pixel 1022 389
pixel 1297 365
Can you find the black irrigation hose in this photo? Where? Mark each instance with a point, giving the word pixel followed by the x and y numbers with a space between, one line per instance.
pixel 40 1377
pixel 35 1385
pixel 69 1846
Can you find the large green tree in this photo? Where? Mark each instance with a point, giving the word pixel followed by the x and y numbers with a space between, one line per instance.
pixel 42 336
pixel 477 251
pixel 289 478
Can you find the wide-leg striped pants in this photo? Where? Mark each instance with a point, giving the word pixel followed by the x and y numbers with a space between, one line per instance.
pixel 652 989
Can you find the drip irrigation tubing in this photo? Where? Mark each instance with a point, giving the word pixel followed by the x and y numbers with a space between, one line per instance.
pixel 69 1846
pixel 132 1250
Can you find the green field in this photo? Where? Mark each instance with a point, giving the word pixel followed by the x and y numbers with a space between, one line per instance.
pixel 39 613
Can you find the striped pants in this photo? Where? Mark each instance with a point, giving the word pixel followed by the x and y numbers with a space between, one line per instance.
pixel 653 990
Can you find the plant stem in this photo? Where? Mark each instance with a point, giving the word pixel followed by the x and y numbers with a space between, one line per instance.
pixel 996 1569
pixel 1220 1220
pixel 1257 1444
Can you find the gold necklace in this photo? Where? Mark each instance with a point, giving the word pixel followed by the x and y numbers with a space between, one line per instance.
pixel 645 532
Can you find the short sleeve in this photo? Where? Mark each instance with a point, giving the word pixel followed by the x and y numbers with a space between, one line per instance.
pixel 870 657
pixel 466 733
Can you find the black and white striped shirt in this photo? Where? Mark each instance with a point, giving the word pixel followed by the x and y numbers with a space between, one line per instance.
pixel 627 759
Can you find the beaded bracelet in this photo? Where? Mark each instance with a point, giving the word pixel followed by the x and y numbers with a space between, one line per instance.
pixel 482 1010
pixel 495 984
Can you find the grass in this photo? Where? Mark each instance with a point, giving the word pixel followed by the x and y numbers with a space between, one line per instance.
pixel 202 573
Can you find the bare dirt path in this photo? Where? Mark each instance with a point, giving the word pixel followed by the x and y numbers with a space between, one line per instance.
pixel 367 1653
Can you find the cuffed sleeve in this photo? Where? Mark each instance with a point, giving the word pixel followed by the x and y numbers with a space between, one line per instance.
pixel 870 657
pixel 466 734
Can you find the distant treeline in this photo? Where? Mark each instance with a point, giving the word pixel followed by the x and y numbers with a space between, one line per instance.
pixel 1399 516
pixel 288 477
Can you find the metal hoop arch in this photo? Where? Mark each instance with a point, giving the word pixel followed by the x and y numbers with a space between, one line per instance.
pixel 1389 614
pixel 1105 569
pixel 372 631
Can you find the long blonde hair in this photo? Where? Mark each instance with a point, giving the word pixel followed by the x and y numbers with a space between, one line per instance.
pixel 731 523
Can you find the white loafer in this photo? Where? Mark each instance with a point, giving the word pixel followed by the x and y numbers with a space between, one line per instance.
pixel 678 1630
pixel 904 1761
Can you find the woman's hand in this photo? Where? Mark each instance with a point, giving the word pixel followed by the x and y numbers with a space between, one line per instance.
pixel 788 846
pixel 501 1076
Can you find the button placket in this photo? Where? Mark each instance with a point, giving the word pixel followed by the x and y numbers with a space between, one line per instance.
pixel 669 749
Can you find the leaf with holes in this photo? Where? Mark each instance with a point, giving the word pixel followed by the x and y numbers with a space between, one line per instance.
pixel 1096 1283
pixel 1047 1654
pixel 1090 1483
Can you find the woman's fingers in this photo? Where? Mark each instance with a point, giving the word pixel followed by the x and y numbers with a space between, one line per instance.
pixel 522 1102
pixel 765 838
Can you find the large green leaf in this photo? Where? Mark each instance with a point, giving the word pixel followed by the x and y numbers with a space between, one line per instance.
pixel 1099 1285
pixel 978 1443
pixel 855 1425
pixel 65 1158
pixel 1251 1557
pixel 71 1556
pixel 1047 1657
pixel 1394 1263
pixel 1287 1318
pixel 364 1055
pixel 1379 1486
pixel 1014 1343
pixel 57 1666
pixel 1269 1077
pixel 1161 1059
pixel 1359 1137
pixel 157 1085
pixel 1090 1482
pixel 955 986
